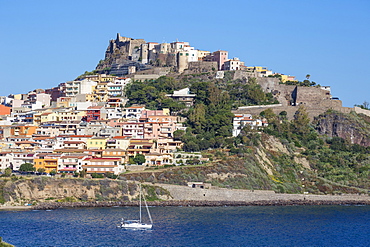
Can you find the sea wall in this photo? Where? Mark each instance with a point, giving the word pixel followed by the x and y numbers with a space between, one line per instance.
pixel 219 194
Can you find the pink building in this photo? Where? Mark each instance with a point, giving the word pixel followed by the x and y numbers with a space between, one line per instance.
pixel 159 127
pixel 220 57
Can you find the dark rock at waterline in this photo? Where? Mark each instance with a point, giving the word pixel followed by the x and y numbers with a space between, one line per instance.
pixel 55 205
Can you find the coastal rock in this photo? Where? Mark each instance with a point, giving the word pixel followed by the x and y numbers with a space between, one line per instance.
pixel 349 127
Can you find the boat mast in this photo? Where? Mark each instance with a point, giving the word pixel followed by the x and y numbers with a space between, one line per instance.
pixel 140 201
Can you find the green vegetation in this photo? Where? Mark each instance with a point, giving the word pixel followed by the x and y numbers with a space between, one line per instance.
pixel 139 159
pixel 210 118
pixel 365 105
pixel 152 93
pixel 4 244
pixel 304 83
pixel 152 192
pixel 7 172
pixel 2 184
pixel 27 167
pixel 94 72
pixel 335 159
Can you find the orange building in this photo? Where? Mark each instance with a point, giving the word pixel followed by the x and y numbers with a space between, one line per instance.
pixel 5 110
pixel 23 130
pixel 48 162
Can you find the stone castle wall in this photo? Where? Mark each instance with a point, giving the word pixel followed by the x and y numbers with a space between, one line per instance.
pixel 199 67
pixel 312 111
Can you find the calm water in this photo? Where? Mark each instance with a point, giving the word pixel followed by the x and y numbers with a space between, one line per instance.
pixel 192 226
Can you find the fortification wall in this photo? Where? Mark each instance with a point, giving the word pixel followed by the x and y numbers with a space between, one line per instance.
pixel 312 111
pixel 199 67
pixel 362 111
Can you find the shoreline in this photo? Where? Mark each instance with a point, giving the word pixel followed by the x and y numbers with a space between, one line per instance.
pixel 184 203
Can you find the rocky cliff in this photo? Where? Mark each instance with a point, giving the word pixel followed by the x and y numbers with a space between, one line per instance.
pixel 351 127
pixel 39 189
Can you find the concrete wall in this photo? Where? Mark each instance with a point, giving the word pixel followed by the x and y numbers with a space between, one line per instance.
pixel 218 194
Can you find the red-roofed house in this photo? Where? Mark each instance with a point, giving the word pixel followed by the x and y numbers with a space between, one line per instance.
pixel 95 113
pixel 103 165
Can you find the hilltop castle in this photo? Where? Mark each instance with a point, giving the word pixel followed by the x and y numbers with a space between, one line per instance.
pixel 127 56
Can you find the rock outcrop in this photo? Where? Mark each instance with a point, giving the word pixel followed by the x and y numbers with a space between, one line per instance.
pixel 21 191
pixel 351 127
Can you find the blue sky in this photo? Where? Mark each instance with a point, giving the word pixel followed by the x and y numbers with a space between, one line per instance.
pixel 44 43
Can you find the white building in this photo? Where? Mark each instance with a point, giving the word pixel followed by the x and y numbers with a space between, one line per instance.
pixel 242 120
pixel 6 160
pixel 233 64
pixel 80 87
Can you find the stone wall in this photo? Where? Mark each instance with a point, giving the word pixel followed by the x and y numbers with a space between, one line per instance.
pixel 218 194
pixel 359 110
pixel 199 67
pixel 312 111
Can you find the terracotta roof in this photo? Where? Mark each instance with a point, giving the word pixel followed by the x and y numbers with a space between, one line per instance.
pixel 132 107
pixel 75 136
pixel 95 107
pixel 73 142
pixel 121 137
pixel 43 138
pixel 26 142
pixel 64 150
pixel 102 166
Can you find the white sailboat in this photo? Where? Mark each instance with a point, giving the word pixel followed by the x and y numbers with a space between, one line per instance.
pixel 138 224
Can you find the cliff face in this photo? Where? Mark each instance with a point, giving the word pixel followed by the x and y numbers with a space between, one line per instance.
pixel 52 189
pixel 353 128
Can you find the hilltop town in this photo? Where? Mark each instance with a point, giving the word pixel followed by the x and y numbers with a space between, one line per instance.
pixel 151 105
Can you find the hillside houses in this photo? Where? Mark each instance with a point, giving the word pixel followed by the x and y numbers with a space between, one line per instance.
pixel 83 125
pixel 98 138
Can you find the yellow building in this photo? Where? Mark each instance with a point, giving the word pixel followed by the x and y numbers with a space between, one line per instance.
pixel 49 117
pixel 63 101
pixel 256 68
pixel 285 78
pixel 96 143
pixel 70 115
pixel 18 96
pixel 101 92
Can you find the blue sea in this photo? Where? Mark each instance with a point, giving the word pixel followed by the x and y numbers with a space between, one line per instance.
pixel 191 226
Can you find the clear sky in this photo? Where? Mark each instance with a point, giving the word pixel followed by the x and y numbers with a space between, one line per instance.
pixel 46 42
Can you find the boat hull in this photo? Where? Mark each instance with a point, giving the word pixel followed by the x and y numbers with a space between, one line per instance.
pixel 137 226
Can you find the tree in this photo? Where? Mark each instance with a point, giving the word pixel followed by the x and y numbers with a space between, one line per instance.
pixel 41 170
pixel 283 115
pixel 301 121
pixel 83 173
pixel 53 172
pixel 308 76
pixel 255 93
pixel 27 167
pixel 365 105
pixel 8 172
pixel 139 159
pixel 177 134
